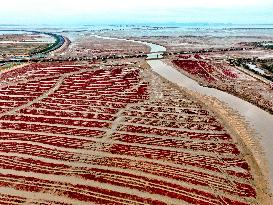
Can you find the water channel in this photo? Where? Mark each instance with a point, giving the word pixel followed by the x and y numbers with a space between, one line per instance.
pixel 255 68
pixel 258 119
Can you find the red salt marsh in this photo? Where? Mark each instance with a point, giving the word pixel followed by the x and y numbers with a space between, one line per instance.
pixel 115 135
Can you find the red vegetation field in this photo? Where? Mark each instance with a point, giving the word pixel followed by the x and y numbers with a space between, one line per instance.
pixel 208 70
pixel 75 134
pixel 196 66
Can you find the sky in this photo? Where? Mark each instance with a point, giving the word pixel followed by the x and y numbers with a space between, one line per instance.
pixel 66 12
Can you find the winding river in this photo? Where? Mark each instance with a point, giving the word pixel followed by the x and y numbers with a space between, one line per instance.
pixel 156 51
pixel 258 119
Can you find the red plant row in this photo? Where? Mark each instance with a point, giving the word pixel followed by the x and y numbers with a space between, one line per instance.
pixel 51 129
pixel 174 133
pixel 85 102
pixel 50 140
pixel 173 117
pixel 76 114
pixel 175 124
pixel 185 103
pixel 173 143
pixel 172 110
pixel 56 121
